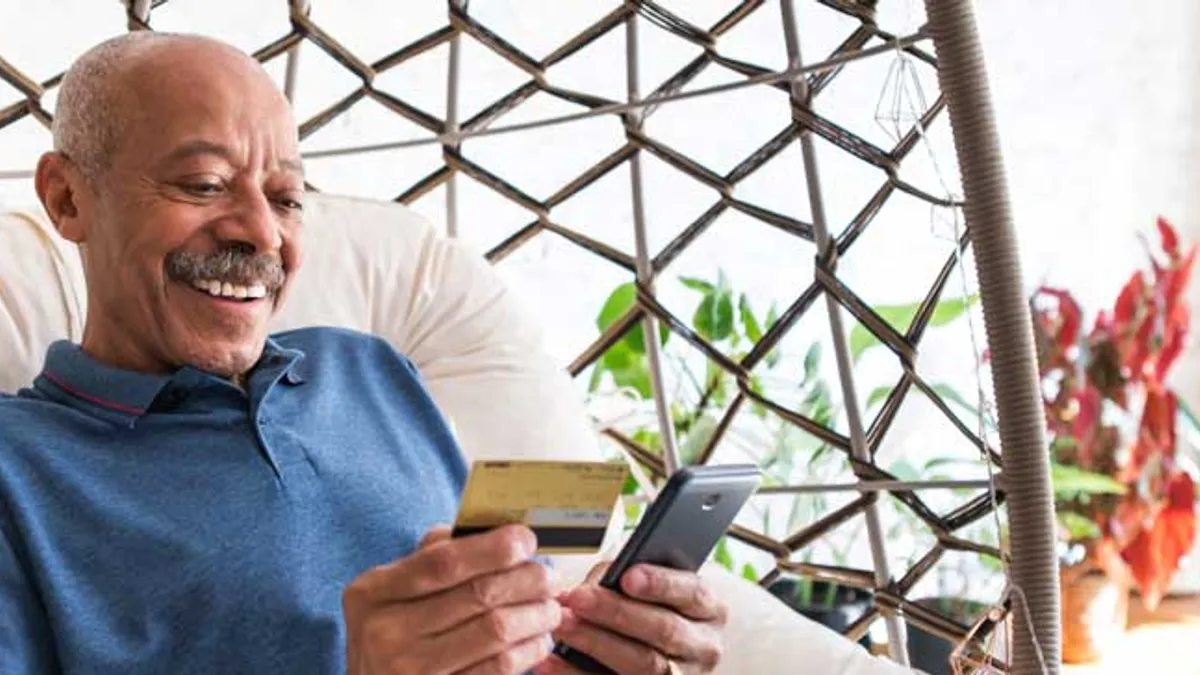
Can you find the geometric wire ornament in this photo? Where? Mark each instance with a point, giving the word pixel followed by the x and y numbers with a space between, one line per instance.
pixel 1017 478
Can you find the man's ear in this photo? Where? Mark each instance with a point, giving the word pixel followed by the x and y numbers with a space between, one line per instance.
pixel 62 188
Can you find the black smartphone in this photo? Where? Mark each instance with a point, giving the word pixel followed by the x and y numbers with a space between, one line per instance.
pixel 679 530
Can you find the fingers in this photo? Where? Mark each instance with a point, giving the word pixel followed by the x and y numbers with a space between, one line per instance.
pixel 597 572
pixel 685 592
pixel 528 582
pixel 491 635
pixel 620 654
pixel 519 659
pixel 444 564
pixel 435 535
pixel 660 628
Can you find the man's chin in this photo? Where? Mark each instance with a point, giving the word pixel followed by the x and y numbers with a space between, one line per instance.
pixel 228 360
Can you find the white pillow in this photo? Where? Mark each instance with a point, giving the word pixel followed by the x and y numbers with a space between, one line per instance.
pixel 378 268
pixel 41 298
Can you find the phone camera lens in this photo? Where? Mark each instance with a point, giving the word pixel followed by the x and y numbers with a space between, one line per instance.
pixel 710 502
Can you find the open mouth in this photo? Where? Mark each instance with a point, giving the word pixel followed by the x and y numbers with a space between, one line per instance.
pixel 230 292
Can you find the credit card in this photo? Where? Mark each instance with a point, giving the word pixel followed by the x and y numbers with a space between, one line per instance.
pixel 568 505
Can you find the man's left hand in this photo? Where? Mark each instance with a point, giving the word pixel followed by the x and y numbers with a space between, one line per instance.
pixel 671 622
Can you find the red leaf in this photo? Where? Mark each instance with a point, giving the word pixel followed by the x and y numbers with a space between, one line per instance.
pixel 1128 300
pixel 1083 428
pixel 1154 556
pixel 1177 280
pixel 1171 349
pixel 1156 434
pixel 1170 240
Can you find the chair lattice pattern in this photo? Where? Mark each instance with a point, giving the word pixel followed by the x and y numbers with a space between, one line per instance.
pixel 864 37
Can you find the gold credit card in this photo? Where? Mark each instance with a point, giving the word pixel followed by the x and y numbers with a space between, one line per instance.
pixel 568 505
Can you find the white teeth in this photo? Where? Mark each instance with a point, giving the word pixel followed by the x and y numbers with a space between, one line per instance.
pixel 228 290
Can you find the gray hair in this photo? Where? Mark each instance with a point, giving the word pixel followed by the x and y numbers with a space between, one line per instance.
pixel 87 121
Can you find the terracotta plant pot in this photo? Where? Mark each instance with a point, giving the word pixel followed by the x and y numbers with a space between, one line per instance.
pixel 1095 613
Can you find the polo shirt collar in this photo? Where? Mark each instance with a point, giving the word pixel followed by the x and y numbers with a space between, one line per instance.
pixel 126 395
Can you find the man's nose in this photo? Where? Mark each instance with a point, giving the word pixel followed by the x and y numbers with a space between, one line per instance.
pixel 252 223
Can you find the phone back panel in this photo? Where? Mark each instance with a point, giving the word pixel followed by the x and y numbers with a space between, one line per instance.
pixel 688 518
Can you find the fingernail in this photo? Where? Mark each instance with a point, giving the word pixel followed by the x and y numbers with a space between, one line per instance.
pixel 526 541
pixel 635 580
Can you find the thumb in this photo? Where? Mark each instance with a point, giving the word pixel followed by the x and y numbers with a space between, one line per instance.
pixel 594 575
pixel 435 535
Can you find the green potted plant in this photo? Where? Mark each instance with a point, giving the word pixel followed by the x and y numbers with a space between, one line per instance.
pixel 1126 509
pixel 728 320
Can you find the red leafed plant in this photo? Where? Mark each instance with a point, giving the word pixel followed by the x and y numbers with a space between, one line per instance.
pixel 1112 420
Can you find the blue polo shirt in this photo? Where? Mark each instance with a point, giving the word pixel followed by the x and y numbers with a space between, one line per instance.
pixel 178 524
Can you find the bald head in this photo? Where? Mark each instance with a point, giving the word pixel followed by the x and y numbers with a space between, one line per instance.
pixel 96 98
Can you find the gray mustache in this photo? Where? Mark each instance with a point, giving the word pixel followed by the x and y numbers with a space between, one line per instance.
pixel 234 265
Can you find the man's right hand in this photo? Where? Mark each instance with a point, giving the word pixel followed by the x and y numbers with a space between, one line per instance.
pixel 477 605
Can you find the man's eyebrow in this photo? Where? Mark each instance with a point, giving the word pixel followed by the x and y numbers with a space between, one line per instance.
pixel 199 147
pixel 203 147
pixel 292 165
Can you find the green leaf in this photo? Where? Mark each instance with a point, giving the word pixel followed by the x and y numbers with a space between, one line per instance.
pixel 697 284
pixel 900 317
pixel 722 555
pixel 628 369
pixel 951 395
pixel 804 591
pixel 774 355
pixel 637 379
pixel 749 321
pixel 633 513
pixel 878 395
pixel 991 563
pixel 619 357
pixel 620 301
pixel 819 454
pixel 649 439
pixel 749 574
pixel 1071 482
pixel 812 362
pixel 817 397
pixel 697 438
pixel 631 485
pixel 1078 526
pixel 938 462
pixel 720 392
pixel 798 515
pixel 903 470
pixel 714 317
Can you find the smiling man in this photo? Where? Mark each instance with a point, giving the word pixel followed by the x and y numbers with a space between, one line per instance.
pixel 182 493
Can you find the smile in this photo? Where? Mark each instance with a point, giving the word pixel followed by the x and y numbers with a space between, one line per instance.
pixel 230 291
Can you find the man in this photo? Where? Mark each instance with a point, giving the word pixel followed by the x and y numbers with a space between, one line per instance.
pixel 182 493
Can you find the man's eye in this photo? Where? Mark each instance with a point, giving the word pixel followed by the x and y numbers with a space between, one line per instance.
pixel 203 189
pixel 290 204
